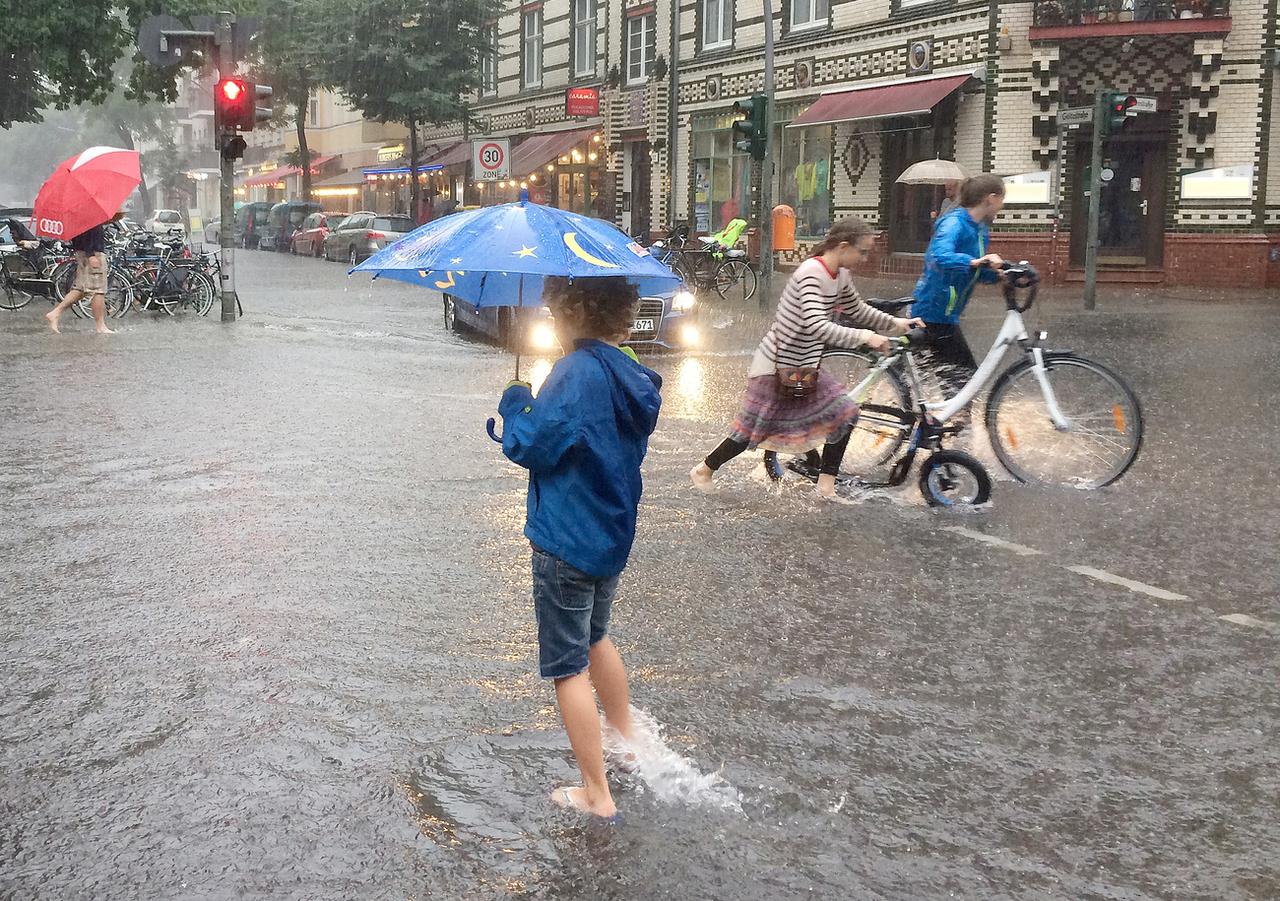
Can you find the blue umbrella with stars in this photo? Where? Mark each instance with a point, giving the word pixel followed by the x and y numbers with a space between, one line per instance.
pixel 498 256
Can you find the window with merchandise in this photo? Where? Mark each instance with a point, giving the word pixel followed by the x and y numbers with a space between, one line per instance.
pixel 721 176
pixel 803 162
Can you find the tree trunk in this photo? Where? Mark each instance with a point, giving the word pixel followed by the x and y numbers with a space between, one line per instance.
pixel 415 189
pixel 304 152
pixel 126 138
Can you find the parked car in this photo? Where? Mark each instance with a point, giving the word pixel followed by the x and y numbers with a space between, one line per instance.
pixel 251 221
pixel 282 221
pixel 162 221
pixel 662 322
pixel 309 239
pixel 361 235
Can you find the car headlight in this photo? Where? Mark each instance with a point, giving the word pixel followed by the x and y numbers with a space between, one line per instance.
pixel 690 336
pixel 543 337
pixel 683 301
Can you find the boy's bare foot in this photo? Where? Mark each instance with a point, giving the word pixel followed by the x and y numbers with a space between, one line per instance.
pixel 52 318
pixel 103 330
pixel 575 798
pixel 702 478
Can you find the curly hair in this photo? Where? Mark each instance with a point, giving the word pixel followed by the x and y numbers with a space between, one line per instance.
pixel 601 308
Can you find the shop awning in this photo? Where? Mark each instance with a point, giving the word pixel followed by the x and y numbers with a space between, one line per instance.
pixel 345 179
pixel 280 173
pixel 453 155
pixel 536 151
pixel 904 98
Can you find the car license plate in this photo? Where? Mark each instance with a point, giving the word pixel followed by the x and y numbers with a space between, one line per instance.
pixel 642 325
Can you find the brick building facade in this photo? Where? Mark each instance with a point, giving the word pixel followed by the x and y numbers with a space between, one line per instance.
pixel 864 88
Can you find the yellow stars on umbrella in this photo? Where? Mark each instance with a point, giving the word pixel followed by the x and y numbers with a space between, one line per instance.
pixel 524 252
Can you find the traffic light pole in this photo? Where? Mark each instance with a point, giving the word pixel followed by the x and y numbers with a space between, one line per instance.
pixel 227 226
pixel 1100 122
pixel 766 167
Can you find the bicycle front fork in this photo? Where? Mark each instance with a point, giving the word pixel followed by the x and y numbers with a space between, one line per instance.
pixel 1060 420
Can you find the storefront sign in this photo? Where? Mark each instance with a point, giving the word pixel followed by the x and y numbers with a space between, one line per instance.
pixel 491 159
pixel 387 154
pixel 582 102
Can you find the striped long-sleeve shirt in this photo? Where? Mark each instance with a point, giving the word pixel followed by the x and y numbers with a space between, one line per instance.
pixel 805 326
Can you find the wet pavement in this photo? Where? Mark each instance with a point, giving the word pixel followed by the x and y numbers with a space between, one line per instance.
pixel 266 621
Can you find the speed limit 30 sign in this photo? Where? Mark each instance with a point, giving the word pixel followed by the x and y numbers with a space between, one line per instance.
pixel 491 159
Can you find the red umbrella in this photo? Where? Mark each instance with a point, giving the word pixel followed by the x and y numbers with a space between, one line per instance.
pixel 85 191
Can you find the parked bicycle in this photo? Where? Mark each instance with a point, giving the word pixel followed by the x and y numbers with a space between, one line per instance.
pixel 1053 418
pixel 26 273
pixel 712 265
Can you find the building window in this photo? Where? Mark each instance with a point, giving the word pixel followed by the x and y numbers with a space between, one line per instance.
pixel 584 37
pixel 642 44
pixel 803 158
pixel 489 60
pixel 808 13
pixel 717 24
pixel 531 28
pixel 313 113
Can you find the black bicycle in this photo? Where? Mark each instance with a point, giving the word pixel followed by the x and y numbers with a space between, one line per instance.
pixel 709 266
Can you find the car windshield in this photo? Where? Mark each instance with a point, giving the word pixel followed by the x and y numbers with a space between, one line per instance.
pixel 396 224
pixel 168 216
pixel 332 222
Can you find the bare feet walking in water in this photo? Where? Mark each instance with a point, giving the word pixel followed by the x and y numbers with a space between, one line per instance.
pixel 91 278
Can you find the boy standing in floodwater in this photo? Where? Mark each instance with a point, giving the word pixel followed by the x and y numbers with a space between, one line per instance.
pixel 583 439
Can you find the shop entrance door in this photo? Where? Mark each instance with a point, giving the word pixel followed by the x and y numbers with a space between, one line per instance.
pixel 1131 220
pixel 912 208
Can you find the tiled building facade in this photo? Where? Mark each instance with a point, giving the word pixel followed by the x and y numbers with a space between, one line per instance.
pixel 864 88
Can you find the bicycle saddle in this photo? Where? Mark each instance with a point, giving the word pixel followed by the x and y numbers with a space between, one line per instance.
pixel 892 307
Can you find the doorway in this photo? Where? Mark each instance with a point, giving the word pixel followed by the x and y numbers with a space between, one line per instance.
pixel 1131 218
pixel 636 189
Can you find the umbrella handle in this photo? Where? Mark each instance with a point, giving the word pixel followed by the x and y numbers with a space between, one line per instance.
pixel 489 427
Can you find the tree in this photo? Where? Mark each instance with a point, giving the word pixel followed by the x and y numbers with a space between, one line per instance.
pixel 417 72
pixel 289 57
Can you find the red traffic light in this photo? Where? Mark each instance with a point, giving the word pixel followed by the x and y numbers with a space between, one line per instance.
pixel 231 89
pixel 1122 105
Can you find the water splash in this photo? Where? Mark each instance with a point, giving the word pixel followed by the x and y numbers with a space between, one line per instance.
pixel 673 778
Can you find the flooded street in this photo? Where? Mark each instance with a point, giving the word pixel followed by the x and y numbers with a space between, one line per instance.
pixel 265 609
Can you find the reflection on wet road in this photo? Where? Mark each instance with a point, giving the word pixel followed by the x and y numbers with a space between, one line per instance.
pixel 266 619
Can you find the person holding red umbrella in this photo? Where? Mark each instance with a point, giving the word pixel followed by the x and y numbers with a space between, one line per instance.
pixel 91 277
pixel 81 195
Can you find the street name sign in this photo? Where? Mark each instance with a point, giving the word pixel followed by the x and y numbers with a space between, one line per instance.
pixel 1076 115
pixel 1145 105
pixel 491 159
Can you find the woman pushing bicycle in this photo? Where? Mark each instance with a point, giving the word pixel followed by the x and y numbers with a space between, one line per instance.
pixel 956 261
pixel 791 405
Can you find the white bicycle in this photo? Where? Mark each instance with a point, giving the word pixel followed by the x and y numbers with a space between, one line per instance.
pixel 1053 418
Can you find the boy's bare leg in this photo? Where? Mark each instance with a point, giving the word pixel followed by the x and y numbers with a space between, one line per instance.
pixel 99 305
pixel 609 677
pixel 73 296
pixel 582 722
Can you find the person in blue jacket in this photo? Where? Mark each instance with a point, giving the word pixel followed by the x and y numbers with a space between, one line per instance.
pixel 956 261
pixel 583 439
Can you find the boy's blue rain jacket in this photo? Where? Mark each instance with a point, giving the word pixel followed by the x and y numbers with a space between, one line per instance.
pixel 949 277
pixel 583 439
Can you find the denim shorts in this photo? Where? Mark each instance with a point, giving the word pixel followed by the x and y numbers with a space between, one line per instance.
pixel 573 614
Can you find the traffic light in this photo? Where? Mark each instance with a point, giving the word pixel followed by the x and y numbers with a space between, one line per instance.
pixel 751 133
pixel 231 146
pixel 1119 108
pixel 235 105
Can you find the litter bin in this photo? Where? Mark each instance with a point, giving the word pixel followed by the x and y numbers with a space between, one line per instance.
pixel 784 227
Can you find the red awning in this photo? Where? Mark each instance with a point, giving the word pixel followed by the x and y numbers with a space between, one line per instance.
pixel 906 98
pixel 536 151
pixel 454 154
pixel 282 172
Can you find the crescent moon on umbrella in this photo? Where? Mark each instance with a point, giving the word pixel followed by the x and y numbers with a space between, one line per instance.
pixel 571 242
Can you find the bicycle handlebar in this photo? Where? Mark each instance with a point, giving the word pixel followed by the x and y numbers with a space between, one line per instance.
pixel 1020 277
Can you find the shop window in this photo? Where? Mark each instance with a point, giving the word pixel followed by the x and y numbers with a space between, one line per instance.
pixel 717 24
pixel 1226 183
pixel 642 44
pixel 809 13
pixel 803 162
pixel 584 37
pixel 489 60
pixel 531 32
pixel 722 180
pixel 1028 188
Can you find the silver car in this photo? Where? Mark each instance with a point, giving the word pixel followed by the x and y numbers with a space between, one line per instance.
pixel 361 235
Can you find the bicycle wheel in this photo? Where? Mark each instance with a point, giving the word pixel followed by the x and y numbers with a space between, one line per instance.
pixel 12 297
pixel 735 280
pixel 680 269
pixel 63 278
pixel 885 420
pixel 952 478
pixel 196 295
pixel 1097 448
pixel 118 297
